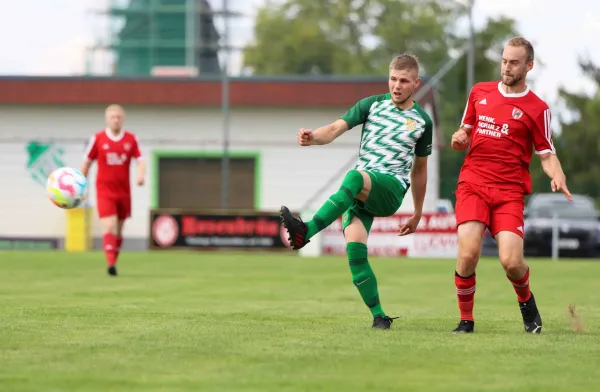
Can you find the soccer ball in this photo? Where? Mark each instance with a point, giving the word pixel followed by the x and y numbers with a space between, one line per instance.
pixel 66 187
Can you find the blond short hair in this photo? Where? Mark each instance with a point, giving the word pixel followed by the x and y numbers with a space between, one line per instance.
pixel 114 106
pixel 405 62
pixel 521 42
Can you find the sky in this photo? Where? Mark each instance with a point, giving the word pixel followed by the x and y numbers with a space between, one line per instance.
pixel 49 37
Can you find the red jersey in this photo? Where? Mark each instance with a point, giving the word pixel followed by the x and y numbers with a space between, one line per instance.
pixel 506 128
pixel 113 154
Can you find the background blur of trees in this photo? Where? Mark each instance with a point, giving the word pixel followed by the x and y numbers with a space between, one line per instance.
pixel 358 37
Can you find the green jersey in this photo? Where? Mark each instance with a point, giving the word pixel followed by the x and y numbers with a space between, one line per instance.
pixel 391 137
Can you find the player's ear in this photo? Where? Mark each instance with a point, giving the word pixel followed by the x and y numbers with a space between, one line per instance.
pixel 417 82
pixel 529 65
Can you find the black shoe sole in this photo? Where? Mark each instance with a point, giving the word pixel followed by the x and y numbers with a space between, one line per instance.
pixel 380 326
pixel 462 332
pixel 286 216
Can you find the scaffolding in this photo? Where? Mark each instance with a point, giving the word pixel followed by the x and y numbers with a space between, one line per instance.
pixel 162 37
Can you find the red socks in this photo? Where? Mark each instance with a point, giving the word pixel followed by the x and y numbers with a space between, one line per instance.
pixel 110 248
pixel 521 287
pixel 465 291
pixel 119 244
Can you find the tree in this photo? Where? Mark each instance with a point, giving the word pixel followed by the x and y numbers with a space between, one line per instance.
pixel 290 46
pixel 489 44
pixel 578 144
pixel 349 37
pixel 359 37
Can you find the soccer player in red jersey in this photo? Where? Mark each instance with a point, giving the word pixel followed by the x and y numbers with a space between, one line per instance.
pixel 503 123
pixel 113 148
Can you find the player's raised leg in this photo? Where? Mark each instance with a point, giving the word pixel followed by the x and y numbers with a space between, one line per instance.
pixel 355 183
pixel 507 228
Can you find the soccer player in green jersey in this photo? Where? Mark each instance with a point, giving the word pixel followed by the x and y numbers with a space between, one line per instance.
pixel 395 142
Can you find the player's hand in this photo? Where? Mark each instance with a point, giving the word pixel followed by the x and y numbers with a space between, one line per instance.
pixel 559 183
pixel 460 140
pixel 140 181
pixel 305 137
pixel 410 226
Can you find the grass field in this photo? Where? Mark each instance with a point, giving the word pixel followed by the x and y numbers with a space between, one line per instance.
pixel 261 322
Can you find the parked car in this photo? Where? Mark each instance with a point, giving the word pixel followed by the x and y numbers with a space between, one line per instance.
pixel 577 222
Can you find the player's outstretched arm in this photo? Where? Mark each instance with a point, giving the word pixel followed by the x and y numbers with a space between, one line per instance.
pixel 323 135
pixel 553 169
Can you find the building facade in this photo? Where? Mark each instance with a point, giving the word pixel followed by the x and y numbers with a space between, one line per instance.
pixel 46 123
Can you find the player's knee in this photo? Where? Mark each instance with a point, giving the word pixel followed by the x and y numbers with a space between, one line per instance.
pixel 354 176
pixel 109 225
pixel 468 254
pixel 467 261
pixel 355 181
pixel 510 251
pixel 512 263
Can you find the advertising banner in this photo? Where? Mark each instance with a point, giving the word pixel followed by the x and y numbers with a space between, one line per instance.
pixel 435 237
pixel 23 243
pixel 203 230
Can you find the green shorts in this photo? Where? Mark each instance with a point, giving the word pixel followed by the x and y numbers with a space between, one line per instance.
pixel 385 198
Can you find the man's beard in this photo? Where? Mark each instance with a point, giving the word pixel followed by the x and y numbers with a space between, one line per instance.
pixel 511 80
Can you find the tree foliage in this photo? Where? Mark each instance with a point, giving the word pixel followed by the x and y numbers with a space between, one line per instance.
pixel 349 37
pixel 359 37
pixel 578 144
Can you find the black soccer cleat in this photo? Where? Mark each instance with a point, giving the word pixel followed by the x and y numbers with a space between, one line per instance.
pixel 532 321
pixel 383 322
pixel 465 326
pixel 112 270
pixel 297 229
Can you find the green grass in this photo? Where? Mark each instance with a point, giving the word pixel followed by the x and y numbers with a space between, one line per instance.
pixel 260 322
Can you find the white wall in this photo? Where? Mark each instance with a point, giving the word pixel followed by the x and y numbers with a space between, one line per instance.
pixel 24 210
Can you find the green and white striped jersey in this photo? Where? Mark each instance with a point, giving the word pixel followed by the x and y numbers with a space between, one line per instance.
pixel 391 137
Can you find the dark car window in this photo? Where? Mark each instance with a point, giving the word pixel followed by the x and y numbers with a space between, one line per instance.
pixel 564 210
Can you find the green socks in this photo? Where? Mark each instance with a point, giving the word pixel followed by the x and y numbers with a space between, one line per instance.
pixel 363 277
pixel 337 203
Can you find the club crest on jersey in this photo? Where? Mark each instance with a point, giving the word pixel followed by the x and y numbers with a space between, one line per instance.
pixel 411 124
pixel 127 146
pixel 517 113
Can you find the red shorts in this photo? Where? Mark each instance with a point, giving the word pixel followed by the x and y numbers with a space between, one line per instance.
pixel 499 209
pixel 121 207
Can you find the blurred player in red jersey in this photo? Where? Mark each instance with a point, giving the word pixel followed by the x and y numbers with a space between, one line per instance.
pixel 113 148
pixel 503 123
